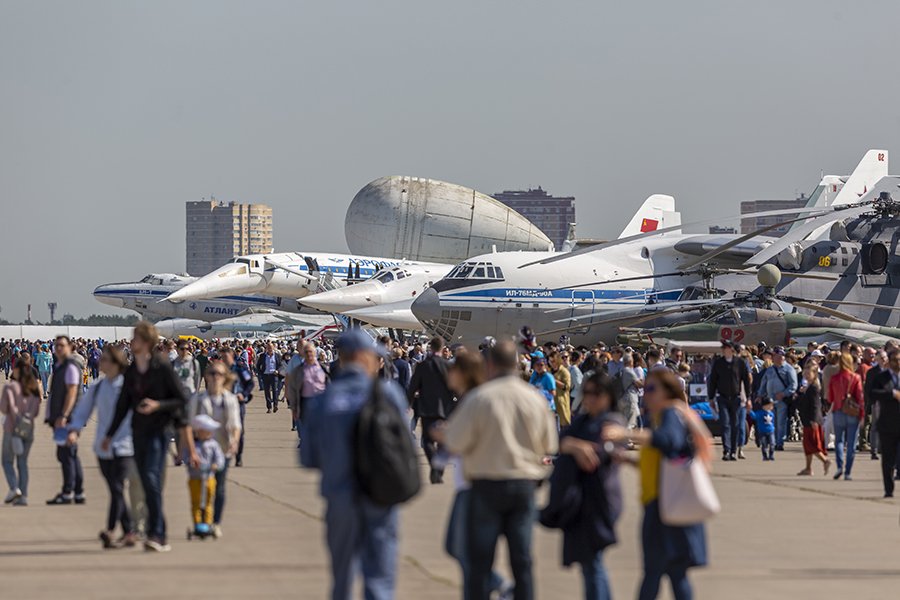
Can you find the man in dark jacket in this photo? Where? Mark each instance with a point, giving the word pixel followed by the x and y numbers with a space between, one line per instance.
pixel 880 364
pixel 154 396
pixel 728 375
pixel 885 393
pixel 65 390
pixel 431 399
pixel 267 366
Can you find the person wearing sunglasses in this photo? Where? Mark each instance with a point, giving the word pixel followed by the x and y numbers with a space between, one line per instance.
pixel 676 432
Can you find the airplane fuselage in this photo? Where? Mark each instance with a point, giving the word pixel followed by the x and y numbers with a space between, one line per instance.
pixel 145 299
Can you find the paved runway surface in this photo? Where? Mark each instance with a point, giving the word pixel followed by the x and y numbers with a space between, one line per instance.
pixel 779 536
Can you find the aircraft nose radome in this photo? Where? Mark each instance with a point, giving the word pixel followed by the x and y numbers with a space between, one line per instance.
pixel 101 293
pixel 342 300
pixel 427 307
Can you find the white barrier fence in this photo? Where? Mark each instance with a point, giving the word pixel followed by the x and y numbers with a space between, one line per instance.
pixel 49 332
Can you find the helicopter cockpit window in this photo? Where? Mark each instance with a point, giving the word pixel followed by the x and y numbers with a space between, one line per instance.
pixel 746 315
pixel 728 317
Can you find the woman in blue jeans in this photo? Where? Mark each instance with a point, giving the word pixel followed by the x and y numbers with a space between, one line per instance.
pixel 845 389
pixel 466 373
pixel 585 470
pixel 21 398
pixel 677 432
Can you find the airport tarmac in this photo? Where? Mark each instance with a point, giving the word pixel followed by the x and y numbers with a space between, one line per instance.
pixel 779 536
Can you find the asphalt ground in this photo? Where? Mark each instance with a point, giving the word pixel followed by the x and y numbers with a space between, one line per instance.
pixel 778 536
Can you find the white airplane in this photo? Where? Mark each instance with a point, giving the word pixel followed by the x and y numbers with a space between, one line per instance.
pixel 289 275
pixel 390 285
pixel 497 294
pixel 145 298
pixel 385 300
pixel 251 323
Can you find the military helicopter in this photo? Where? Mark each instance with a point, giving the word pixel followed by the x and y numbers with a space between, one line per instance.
pixel 854 266
pixel 751 318
pixel 707 313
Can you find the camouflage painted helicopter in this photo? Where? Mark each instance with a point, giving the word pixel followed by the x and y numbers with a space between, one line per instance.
pixel 845 256
pixel 710 314
pixel 749 325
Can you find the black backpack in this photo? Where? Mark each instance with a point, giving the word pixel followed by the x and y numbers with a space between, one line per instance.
pixel 387 467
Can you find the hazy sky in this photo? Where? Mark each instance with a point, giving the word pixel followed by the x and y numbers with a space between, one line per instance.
pixel 113 114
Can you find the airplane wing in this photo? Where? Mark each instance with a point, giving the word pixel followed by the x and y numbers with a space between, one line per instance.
pixel 291 270
pixel 809 212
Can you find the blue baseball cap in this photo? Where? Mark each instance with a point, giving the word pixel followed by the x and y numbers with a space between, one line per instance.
pixel 356 340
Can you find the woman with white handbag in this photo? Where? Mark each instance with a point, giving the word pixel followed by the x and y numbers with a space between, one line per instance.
pixel 676 491
pixel 19 404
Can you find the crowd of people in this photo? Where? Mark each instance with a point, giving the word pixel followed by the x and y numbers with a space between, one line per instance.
pixel 508 416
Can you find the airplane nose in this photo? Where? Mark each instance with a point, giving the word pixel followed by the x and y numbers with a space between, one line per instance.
pixel 427 307
pixel 105 294
pixel 192 291
pixel 228 280
pixel 343 299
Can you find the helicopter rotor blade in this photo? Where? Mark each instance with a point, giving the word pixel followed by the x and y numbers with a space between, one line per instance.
pixel 828 311
pixel 651 234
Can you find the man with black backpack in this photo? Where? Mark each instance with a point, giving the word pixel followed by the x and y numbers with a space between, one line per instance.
pixel 356 434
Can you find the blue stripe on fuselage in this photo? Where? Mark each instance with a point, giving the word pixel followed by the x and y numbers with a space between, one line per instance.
pixel 555 296
pixel 138 293
pixel 567 295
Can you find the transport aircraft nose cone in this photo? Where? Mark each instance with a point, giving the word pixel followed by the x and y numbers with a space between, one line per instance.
pixel 102 294
pixel 427 307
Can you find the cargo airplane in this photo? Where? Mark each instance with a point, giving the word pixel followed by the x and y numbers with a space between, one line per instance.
pixel 499 293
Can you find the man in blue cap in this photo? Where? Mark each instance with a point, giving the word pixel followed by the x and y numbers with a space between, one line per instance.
pixel 359 532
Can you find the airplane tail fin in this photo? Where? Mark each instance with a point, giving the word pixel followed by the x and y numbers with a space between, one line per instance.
pixel 824 195
pixel 649 217
pixel 872 167
pixel 569 243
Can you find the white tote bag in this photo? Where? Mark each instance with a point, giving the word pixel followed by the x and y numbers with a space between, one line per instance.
pixel 686 493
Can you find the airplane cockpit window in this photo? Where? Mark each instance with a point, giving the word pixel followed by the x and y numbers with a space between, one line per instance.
pixel 401 274
pixel 241 270
pixel 148 279
pixel 479 270
pixel 384 277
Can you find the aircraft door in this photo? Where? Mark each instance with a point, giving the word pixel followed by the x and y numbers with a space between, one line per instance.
pixel 584 303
